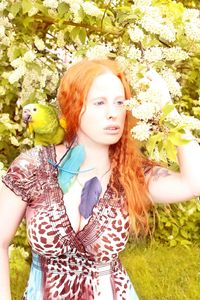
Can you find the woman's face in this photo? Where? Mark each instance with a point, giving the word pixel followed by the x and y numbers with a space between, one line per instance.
pixel 102 121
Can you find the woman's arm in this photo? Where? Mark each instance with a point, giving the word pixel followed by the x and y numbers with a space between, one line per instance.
pixel 12 210
pixel 166 186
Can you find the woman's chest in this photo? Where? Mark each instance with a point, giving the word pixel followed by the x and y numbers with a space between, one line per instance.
pixel 50 231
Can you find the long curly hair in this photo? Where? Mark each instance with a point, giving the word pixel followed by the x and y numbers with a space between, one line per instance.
pixel 126 157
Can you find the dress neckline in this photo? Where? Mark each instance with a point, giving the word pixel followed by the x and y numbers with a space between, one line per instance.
pixel 101 202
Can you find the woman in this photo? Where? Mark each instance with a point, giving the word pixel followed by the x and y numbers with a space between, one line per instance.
pixel 79 206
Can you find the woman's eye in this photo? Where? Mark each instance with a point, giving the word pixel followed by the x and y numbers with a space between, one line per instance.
pixel 99 102
pixel 120 102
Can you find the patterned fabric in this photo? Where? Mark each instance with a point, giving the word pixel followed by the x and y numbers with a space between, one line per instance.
pixel 75 266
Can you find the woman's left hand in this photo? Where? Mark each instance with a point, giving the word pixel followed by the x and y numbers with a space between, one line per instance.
pixel 157 83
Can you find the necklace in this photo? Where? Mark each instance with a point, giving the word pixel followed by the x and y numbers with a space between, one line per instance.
pixel 82 185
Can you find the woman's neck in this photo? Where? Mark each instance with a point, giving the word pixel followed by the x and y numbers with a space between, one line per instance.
pixel 97 157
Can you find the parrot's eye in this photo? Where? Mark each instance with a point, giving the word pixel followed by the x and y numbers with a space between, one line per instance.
pixel 34 109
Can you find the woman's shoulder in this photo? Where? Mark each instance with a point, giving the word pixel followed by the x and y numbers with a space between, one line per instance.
pixel 23 172
pixel 31 159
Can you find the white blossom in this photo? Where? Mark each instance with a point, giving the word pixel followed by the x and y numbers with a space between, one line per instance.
pixel 90 9
pixel 133 53
pixel 33 11
pixel 190 14
pixel 29 56
pixel 3 5
pixel 10 16
pixel 27 141
pixel 153 54
pixel 51 3
pixel 17 74
pixel 74 8
pixel 5 41
pixel 175 53
pixel 14 141
pixel 136 34
pixel 99 51
pixel 192 30
pixel 172 83
pixel 168 32
pixel 142 3
pixel 2 31
pixel 141 131
pixel 123 62
pixel 191 122
pixel 144 111
pixel 17 62
pixel 4 21
pixel 39 43
pixel 150 24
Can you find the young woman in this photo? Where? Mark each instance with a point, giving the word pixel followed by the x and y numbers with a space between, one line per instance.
pixel 82 197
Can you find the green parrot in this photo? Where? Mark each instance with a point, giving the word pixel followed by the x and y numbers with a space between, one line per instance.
pixel 43 122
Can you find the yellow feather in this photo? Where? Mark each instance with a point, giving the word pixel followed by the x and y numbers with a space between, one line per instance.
pixel 63 123
pixel 30 127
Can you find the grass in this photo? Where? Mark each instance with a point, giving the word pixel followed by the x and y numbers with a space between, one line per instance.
pixel 157 272
pixel 162 273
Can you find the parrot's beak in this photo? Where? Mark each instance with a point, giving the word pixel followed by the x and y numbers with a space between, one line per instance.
pixel 26 116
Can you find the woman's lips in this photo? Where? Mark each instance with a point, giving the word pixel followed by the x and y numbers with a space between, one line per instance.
pixel 113 129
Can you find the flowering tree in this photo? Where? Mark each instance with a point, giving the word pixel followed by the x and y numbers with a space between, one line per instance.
pixel 40 39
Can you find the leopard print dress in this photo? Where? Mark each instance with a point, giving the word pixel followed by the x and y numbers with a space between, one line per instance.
pixel 71 266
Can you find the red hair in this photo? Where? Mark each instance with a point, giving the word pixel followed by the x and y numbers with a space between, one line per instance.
pixel 126 158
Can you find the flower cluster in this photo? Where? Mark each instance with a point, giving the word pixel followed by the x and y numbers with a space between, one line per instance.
pixel 172 83
pixel 133 53
pixel 91 9
pixel 174 54
pixel 136 34
pixel 153 22
pixel 191 19
pixel 141 131
pixel 33 11
pixel 190 122
pixel 15 75
pixel 53 4
pixel 3 5
pixel 39 43
pixel 75 6
pixel 153 54
pixel 99 51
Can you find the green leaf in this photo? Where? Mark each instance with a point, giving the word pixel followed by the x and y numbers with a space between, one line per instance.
pixel 63 8
pixel 176 139
pixel 170 150
pixel 15 8
pixel 166 110
pixel 152 141
pixel 74 33
pixel 26 6
pixel 82 35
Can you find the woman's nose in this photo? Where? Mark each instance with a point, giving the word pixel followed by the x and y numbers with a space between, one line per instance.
pixel 111 112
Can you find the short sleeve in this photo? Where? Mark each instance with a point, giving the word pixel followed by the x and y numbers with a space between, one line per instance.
pixel 22 174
